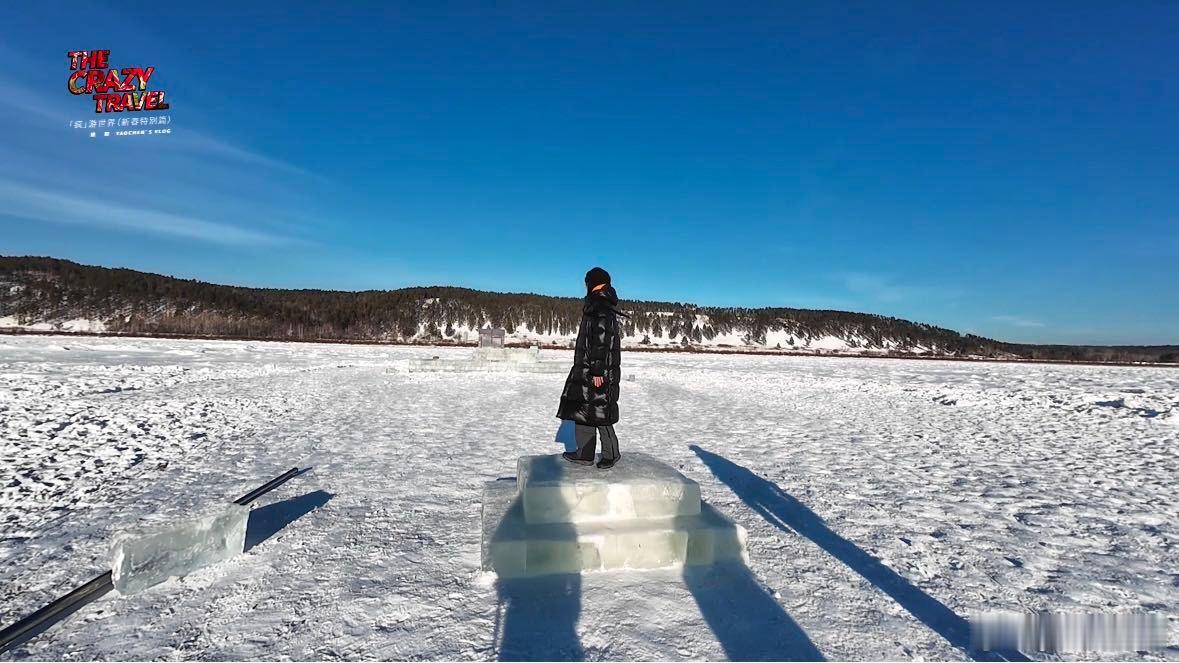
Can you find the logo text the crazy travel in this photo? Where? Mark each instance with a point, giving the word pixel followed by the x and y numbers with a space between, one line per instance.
pixel 114 90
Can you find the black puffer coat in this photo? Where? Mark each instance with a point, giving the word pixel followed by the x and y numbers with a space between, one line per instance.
pixel 598 353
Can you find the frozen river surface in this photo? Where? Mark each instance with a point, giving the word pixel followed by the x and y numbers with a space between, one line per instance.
pixel 885 501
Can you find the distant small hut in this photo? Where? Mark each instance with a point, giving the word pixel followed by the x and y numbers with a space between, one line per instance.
pixel 491 338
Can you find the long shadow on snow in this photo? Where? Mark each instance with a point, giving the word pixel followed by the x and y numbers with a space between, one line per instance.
pixel 749 623
pixel 567 435
pixel 537 616
pixel 788 514
pixel 268 520
pixel 540 618
pixel 540 614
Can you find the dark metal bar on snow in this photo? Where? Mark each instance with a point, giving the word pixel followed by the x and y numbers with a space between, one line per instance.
pixel 37 622
pixel 267 487
pixel 42 619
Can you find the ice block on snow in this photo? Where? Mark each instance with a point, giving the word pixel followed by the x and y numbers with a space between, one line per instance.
pixel 554 490
pixel 514 355
pixel 148 555
pixel 514 547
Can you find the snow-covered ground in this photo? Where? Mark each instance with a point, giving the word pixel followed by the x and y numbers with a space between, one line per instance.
pixel 885 501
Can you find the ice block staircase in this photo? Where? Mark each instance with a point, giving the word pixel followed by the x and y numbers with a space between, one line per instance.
pixel 557 517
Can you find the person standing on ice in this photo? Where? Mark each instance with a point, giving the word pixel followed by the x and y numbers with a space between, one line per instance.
pixel 590 397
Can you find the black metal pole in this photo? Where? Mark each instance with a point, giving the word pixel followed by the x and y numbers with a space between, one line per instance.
pixel 267 487
pixel 47 616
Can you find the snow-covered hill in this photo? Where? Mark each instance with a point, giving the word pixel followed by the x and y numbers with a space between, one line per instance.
pixel 46 294
pixel 43 294
pixel 461 333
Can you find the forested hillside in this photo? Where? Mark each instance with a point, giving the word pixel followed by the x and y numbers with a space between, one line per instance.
pixel 48 293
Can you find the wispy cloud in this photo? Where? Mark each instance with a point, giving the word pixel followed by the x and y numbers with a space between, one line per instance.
pixel 31 105
pixel 28 104
pixel 29 192
pixel 54 207
pixel 201 143
pixel 1017 321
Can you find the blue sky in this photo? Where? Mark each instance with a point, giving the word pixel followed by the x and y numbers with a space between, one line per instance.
pixel 1005 169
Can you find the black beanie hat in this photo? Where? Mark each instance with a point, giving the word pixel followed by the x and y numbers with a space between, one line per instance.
pixel 596 276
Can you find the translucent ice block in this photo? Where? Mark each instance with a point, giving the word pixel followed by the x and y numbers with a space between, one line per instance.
pixel 145 556
pixel 554 490
pixel 479 365
pixel 513 547
pixel 514 355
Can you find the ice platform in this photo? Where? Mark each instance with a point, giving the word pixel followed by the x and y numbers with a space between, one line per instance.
pixel 554 490
pixel 558 517
pixel 488 359
pixel 477 366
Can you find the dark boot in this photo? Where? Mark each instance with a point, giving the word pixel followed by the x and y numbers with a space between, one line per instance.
pixel 610 453
pixel 572 458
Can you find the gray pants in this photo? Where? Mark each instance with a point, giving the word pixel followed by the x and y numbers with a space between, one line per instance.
pixel 587 441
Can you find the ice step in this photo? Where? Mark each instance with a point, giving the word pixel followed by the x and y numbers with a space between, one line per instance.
pixel 512 355
pixel 513 547
pixel 476 366
pixel 148 555
pixel 553 490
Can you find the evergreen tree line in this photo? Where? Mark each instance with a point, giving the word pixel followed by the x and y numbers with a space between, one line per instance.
pixel 47 289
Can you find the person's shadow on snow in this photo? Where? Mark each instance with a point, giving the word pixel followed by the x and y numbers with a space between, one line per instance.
pixel 537 617
pixel 540 615
pixel 749 624
pixel 539 621
pixel 788 514
pixel 567 435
